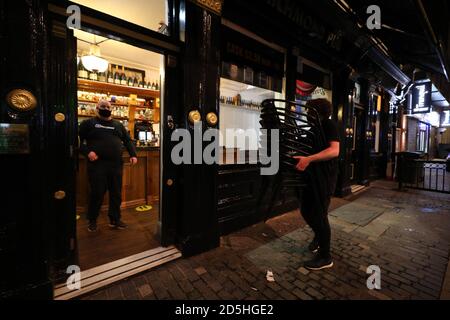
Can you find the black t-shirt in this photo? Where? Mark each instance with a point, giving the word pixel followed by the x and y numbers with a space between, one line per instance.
pixel 331 131
pixel 323 175
pixel 328 174
pixel 331 134
pixel 105 138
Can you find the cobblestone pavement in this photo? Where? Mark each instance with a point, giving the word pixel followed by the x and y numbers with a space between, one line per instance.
pixel 409 241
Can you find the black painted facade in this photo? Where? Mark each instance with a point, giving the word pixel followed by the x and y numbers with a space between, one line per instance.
pixel 203 202
pixel 302 30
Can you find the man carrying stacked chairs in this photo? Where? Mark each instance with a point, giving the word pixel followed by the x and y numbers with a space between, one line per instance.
pixel 308 150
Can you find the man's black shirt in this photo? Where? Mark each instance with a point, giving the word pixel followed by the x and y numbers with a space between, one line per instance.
pixel 106 139
pixel 331 134
pixel 322 175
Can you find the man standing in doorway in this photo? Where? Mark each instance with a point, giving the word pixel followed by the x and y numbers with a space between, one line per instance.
pixel 316 197
pixel 102 140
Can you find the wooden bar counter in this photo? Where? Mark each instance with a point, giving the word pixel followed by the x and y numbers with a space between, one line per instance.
pixel 140 182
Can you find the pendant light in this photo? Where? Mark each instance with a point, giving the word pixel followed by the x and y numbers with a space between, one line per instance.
pixel 93 61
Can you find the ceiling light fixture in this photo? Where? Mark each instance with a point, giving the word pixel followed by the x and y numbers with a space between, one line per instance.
pixel 93 61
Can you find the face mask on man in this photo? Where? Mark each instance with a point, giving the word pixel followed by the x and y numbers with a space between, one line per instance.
pixel 105 113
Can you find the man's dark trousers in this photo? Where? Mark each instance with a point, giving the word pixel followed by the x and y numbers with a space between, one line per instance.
pixel 105 176
pixel 317 220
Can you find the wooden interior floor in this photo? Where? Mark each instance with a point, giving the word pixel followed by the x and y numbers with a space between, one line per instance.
pixel 108 245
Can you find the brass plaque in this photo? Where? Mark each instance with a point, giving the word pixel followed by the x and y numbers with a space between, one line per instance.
pixel 14 138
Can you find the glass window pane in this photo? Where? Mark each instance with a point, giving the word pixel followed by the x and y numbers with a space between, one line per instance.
pixel 150 14
pixel 240 114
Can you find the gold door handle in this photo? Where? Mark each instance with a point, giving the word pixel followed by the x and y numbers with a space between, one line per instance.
pixel 60 117
pixel 212 119
pixel 194 117
pixel 60 195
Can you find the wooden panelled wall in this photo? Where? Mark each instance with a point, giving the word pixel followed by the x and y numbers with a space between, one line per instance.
pixel 446 137
pixel 243 201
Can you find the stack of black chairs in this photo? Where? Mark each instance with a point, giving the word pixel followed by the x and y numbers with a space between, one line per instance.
pixel 300 134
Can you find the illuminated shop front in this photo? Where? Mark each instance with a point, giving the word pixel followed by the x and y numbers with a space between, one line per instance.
pixel 425 122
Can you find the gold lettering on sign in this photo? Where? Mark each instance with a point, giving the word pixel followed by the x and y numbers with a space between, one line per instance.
pixel 213 5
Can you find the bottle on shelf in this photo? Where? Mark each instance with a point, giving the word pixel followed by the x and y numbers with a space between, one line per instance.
pixel 153 86
pixel 141 84
pixel 135 82
pixel 148 114
pixel 130 81
pixel 110 75
pixel 93 76
pixel 123 78
pixel 117 76
pixel 82 109
pixel 157 86
pixel 102 77
pixel 82 72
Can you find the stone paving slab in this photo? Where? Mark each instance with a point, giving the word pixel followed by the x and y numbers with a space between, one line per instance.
pixel 358 213
pixel 409 244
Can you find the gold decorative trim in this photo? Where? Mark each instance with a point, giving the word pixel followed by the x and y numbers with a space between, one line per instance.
pixel 194 116
pixel 21 100
pixel 212 119
pixel 211 5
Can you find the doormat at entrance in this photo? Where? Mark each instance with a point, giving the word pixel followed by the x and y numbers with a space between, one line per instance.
pixel 358 213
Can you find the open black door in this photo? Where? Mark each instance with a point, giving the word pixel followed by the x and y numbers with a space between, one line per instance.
pixel 37 147
pixel 61 124
pixel 23 166
pixel 170 173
